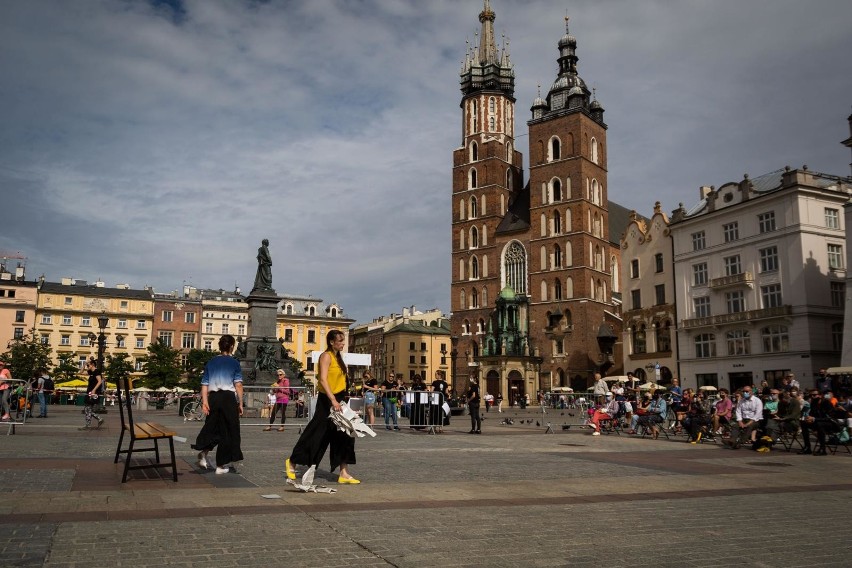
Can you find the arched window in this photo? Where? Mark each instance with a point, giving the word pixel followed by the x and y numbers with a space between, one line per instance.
pixel 462 300
pixel 598 258
pixel 614 280
pixel 474 114
pixel 461 269
pixel 474 268
pixel 474 346
pixel 569 320
pixel 543 221
pixel 492 124
pixel 462 209
pixel 557 256
pixel 484 234
pixel 569 287
pixel 508 178
pixel 639 339
pixel 474 151
pixel 465 326
pixel 776 339
pixel 474 209
pixel 594 148
pixel 492 105
pixel 555 149
pixel 557 223
pixel 472 179
pixel 543 257
pixel 739 342
pixel 474 238
pixel 557 289
pixel 484 296
pixel 483 202
pixel 545 193
pixel 484 268
pixel 568 188
pixel 543 291
pixel 474 298
pixel 568 221
pixel 461 239
pixel 480 326
pixel 289 309
pixel 515 268
pixel 557 190
pixel 509 152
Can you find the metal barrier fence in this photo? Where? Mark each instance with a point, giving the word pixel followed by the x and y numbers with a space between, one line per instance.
pixel 415 409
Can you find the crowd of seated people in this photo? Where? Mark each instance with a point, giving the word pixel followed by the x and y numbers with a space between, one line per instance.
pixel 754 416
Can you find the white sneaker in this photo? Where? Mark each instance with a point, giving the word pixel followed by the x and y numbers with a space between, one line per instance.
pixel 596 433
pixel 223 469
pixel 202 461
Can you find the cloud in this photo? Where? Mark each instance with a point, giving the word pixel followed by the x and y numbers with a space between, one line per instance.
pixel 159 142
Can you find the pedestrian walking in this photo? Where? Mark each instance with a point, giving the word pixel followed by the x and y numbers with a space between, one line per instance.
pixel 472 397
pixel 320 433
pixel 222 403
pixel 93 390
pixel 282 399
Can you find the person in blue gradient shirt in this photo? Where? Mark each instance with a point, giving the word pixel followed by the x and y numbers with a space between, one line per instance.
pixel 222 402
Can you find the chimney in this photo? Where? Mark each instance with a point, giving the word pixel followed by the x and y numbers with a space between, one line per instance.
pixel 66 281
pixel 704 191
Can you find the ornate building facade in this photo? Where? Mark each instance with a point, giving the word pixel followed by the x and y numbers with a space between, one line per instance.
pixel 534 265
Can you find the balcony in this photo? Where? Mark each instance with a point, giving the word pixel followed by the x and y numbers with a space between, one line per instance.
pixel 733 281
pixel 739 317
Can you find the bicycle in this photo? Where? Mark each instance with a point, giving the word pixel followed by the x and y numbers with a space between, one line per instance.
pixel 192 411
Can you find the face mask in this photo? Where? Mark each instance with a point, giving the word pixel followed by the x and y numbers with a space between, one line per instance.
pixel 747 394
pixel 774 397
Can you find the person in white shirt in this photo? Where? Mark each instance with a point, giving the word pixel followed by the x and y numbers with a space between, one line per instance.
pixel 748 415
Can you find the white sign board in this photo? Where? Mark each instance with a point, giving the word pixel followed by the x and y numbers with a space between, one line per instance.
pixel 351 359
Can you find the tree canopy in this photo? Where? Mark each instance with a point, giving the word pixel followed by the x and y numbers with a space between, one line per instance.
pixel 162 366
pixel 27 355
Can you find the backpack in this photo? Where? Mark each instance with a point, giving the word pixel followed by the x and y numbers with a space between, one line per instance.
pixel 48 385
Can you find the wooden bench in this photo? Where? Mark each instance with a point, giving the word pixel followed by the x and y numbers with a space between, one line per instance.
pixel 141 431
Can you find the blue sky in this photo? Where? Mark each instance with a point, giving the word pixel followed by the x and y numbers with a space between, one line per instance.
pixel 157 143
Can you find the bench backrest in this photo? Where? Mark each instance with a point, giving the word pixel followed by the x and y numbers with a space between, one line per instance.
pixel 125 404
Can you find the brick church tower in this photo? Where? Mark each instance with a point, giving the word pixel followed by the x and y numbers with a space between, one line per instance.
pixel 532 264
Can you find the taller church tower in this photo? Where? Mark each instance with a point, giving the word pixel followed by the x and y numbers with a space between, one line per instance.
pixel 487 177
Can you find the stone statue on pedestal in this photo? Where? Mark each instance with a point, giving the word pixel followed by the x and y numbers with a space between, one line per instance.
pixel 263 279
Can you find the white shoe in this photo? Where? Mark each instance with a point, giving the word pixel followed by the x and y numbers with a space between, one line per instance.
pixel 596 433
pixel 223 469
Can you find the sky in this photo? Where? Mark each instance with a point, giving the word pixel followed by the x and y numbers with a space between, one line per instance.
pixel 158 142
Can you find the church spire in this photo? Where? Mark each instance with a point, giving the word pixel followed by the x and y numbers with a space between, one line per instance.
pixel 484 66
pixel 487 46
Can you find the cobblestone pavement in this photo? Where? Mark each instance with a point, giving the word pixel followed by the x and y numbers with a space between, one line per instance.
pixel 513 496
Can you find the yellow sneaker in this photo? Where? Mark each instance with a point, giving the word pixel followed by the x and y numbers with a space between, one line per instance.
pixel 291 473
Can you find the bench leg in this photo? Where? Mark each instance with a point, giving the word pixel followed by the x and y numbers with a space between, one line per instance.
pixel 157 449
pixel 127 460
pixel 174 465
pixel 118 449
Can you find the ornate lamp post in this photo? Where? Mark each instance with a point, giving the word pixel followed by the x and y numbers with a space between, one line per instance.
pixel 103 321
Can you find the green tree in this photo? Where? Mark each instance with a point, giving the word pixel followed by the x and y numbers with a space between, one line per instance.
pixel 118 368
pixel 27 355
pixel 195 361
pixel 67 369
pixel 162 366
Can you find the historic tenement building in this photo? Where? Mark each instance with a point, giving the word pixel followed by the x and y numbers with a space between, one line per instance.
pixel 760 279
pixel 534 265
pixel 647 276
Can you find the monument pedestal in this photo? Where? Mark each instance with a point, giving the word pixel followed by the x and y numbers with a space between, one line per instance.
pixel 262 314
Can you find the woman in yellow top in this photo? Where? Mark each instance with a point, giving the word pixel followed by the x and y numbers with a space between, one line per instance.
pixel 320 431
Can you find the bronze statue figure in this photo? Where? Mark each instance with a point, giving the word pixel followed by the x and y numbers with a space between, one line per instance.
pixel 263 280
